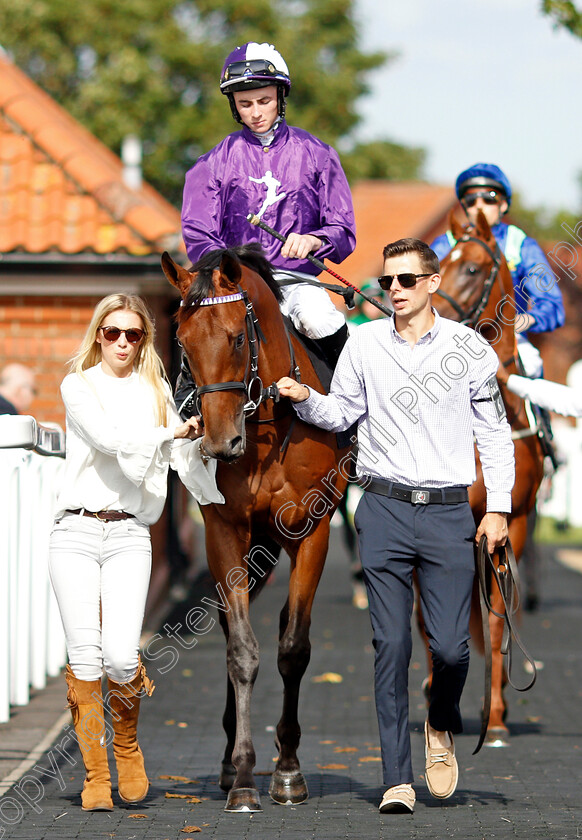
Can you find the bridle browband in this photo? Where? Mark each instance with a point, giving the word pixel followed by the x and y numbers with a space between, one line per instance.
pixel 471 316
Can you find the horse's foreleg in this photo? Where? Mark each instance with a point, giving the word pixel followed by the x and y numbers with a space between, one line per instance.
pixel 225 552
pixel 288 785
pixel 242 659
pixel 228 771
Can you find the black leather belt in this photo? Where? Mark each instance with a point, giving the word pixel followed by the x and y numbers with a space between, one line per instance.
pixel 416 495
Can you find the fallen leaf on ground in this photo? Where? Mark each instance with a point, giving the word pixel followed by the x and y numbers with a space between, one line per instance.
pixel 190 829
pixel 369 758
pixel 184 779
pixel 345 749
pixel 329 677
pixel 137 817
pixel 177 795
pixel 182 725
pixel 333 766
pixel 328 742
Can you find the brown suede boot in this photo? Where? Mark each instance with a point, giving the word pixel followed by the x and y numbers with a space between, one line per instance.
pixel 86 705
pixel 124 700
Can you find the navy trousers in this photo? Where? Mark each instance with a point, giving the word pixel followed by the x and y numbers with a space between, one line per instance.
pixel 395 538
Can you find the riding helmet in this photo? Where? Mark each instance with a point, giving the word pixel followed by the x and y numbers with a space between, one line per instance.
pixel 255 66
pixel 483 175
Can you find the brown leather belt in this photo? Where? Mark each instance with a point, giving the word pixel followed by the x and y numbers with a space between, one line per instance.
pixel 105 515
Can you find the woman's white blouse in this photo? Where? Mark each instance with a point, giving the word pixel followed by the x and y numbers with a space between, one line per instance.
pixel 117 457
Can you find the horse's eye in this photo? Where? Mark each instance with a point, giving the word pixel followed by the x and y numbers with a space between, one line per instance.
pixel 239 341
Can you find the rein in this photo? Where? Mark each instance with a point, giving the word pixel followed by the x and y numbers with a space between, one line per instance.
pixel 507 578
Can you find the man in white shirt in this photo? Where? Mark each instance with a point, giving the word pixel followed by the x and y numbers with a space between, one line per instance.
pixel 421 389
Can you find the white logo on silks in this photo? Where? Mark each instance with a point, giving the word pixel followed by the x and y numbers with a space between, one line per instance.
pixel 271 184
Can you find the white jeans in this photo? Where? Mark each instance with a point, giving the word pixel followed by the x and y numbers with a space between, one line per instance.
pixel 100 573
pixel 310 309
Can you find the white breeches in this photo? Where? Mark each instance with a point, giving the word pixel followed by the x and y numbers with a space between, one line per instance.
pixel 100 573
pixel 310 309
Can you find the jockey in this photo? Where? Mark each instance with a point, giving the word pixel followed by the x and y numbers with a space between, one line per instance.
pixel 538 299
pixel 284 175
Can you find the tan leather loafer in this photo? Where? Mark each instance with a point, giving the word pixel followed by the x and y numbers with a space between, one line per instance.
pixel 442 772
pixel 399 799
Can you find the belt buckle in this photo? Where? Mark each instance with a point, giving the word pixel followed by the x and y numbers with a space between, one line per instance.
pixel 96 515
pixel 420 497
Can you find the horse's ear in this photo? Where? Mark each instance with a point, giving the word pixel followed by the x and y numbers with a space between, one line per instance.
pixel 455 226
pixel 230 268
pixel 482 228
pixel 178 276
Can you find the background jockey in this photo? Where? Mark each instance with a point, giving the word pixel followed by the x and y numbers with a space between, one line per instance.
pixel 290 179
pixel 485 187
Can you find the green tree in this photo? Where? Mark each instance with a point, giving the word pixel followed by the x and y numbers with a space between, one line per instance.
pixel 564 13
pixel 151 68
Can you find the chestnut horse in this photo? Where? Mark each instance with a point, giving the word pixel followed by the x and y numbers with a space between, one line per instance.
pixel 281 479
pixel 477 289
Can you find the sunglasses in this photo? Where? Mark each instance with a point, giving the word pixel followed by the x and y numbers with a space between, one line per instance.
pixel 488 198
pixel 133 335
pixel 407 281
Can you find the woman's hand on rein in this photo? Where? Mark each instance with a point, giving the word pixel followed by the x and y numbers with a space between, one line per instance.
pixel 191 429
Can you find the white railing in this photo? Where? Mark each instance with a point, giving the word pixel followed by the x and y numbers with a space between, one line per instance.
pixel 32 643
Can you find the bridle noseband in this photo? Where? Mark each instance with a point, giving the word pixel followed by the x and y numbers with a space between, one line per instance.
pixel 471 317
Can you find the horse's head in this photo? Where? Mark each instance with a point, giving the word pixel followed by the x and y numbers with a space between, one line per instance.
pixel 213 329
pixel 476 286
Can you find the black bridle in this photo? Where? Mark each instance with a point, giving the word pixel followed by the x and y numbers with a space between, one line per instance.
pixel 251 384
pixel 471 316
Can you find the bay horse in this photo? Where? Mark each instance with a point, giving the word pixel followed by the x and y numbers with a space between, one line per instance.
pixel 281 478
pixel 477 289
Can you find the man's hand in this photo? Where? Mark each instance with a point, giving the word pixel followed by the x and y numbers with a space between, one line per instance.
pixel 290 388
pixel 297 246
pixel 494 526
pixel 193 428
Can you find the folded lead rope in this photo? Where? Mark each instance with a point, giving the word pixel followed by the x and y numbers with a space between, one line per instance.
pixel 254 220
pixel 507 577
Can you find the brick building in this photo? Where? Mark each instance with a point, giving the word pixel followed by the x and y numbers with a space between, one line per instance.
pixel 71 231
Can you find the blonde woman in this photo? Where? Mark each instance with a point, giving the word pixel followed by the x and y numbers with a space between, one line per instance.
pixel 122 434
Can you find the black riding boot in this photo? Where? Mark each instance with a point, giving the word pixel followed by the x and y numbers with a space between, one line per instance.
pixel 332 345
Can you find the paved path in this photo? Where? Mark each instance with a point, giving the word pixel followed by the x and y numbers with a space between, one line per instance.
pixel 530 790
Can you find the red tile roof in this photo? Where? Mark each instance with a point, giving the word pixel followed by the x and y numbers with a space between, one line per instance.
pixel 62 190
pixel 390 210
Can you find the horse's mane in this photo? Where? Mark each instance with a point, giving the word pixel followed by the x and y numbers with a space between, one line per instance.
pixel 250 255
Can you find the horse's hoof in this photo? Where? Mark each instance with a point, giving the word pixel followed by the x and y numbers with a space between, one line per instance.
pixel 227 776
pixel 241 800
pixel 497 736
pixel 288 788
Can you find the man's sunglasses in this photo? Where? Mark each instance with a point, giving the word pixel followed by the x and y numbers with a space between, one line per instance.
pixel 488 198
pixel 407 281
pixel 133 335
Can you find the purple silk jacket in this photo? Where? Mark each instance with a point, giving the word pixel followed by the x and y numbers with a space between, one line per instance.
pixel 295 185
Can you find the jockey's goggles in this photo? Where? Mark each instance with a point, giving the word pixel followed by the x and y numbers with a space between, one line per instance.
pixel 407 281
pixel 257 66
pixel 133 335
pixel 489 197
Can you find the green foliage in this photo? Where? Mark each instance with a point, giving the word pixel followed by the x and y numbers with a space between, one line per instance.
pixel 537 222
pixel 564 13
pixel 384 161
pixel 151 68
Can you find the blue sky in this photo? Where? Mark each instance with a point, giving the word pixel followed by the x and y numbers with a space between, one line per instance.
pixel 479 80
